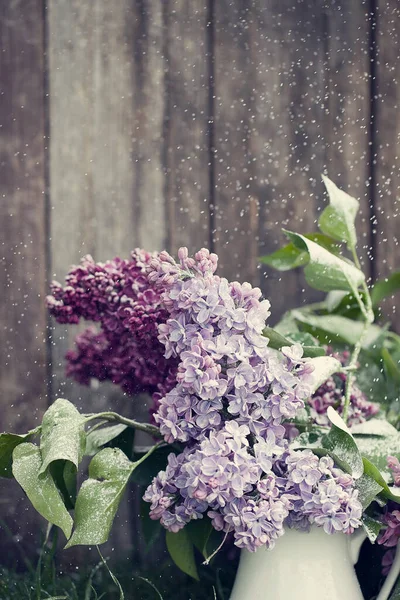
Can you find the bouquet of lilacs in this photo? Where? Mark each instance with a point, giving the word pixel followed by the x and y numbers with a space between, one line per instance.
pixel 251 423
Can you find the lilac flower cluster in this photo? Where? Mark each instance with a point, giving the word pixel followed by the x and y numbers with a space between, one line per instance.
pixel 226 370
pixel 119 297
pixel 253 491
pixel 390 536
pixel 232 397
pixel 331 393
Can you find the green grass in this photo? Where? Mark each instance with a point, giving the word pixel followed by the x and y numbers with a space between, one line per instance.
pixel 44 580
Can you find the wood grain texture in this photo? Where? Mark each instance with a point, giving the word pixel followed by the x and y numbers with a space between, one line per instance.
pixel 346 123
pixel 23 244
pixel 269 140
pixel 107 111
pixel 387 146
pixel 187 124
pixel 106 170
pixel 292 102
pixel 235 211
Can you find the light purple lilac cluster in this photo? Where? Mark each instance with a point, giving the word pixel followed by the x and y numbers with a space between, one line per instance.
pixel 226 369
pixel 119 297
pixel 331 393
pixel 232 397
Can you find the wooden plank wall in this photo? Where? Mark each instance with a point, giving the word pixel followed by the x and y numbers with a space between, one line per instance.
pixel 175 123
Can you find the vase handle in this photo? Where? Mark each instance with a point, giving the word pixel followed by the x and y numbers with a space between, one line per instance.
pixel 392 576
pixel 356 540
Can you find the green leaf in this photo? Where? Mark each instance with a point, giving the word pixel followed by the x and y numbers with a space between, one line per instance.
pixel 290 257
pixel 99 497
pixel 63 435
pixel 278 341
pixel 377 449
pixel 385 287
pixel 65 477
pixel 371 527
pixel 324 367
pixel 286 258
pixel 40 487
pixel 373 472
pixel 391 366
pixel 199 532
pixel 146 471
pixel 338 219
pixel 151 528
pixel 336 329
pixel 342 446
pixel 368 488
pixel 181 551
pixel 100 437
pixel 326 271
pixel 9 441
pixel 375 428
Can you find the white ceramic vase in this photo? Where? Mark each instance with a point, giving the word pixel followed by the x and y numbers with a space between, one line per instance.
pixel 302 566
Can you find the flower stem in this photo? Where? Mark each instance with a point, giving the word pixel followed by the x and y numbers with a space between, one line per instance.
pixel 113 416
pixel 368 313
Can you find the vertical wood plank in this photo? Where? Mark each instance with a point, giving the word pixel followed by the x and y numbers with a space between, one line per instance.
pixel 106 169
pixel 290 104
pixel 287 134
pixel 387 145
pixel 107 111
pixel 23 240
pixel 235 209
pixel 186 124
pixel 269 123
pixel 347 121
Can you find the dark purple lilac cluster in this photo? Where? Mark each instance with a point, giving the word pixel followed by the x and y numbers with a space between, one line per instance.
pixel 390 535
pixel 232 396
pixel 119 297
pixel 331 393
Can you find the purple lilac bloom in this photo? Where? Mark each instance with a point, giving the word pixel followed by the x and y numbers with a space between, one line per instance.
pixel 389 537
pixel 226 369
pixel 119 297
pixel 195 341
pixel 229 407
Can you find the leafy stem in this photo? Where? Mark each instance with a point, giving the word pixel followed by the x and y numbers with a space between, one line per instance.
pixel 113 416
pixel 368 313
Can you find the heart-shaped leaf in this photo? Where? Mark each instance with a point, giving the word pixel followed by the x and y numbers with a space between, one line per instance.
pixel 63 434
pixel 9 441
pixel 100 437
pixel 342 446
pixel 99 497
pixel 40 487
pixel 338 219
pixel 181 551
pixel 325 271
